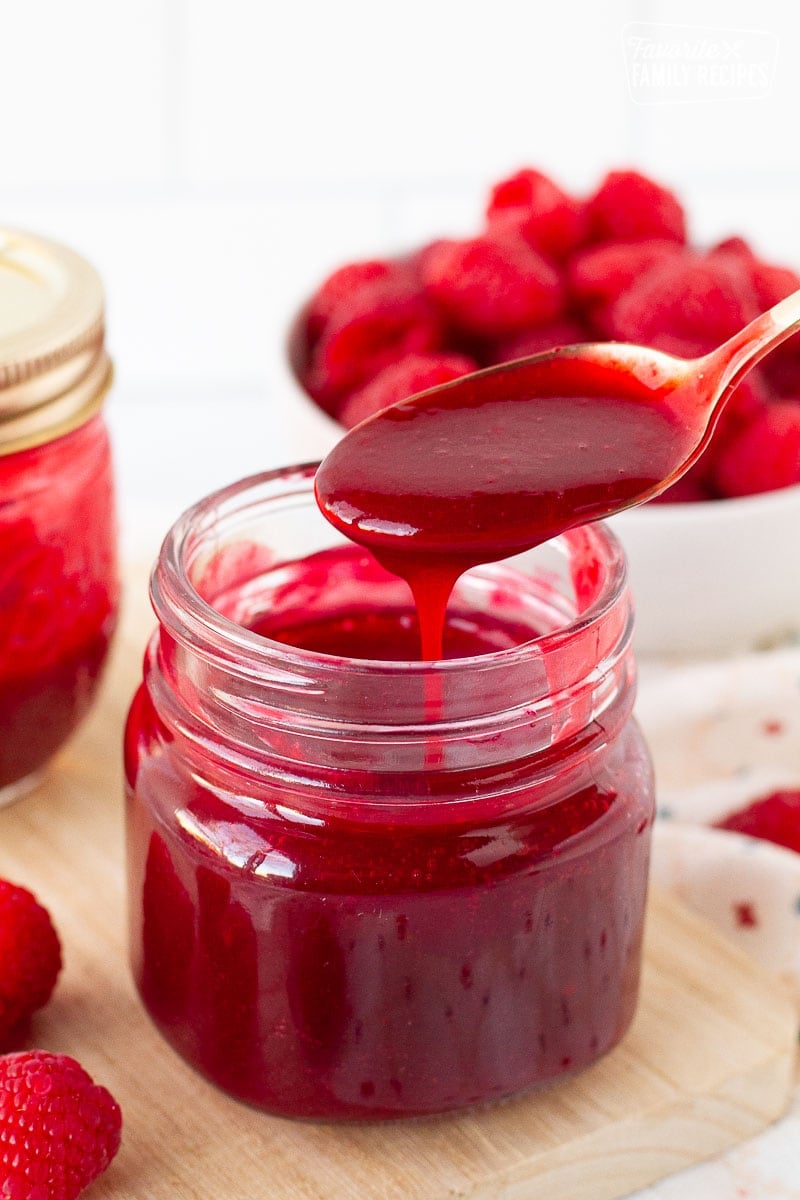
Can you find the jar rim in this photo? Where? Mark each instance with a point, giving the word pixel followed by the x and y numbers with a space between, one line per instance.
pixel 193 621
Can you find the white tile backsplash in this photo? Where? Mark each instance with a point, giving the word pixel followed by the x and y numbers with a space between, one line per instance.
pixel 200 291
pixel 83 89
pixel 365 92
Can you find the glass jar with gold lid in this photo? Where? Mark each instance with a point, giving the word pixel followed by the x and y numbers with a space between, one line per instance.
pixel 59 586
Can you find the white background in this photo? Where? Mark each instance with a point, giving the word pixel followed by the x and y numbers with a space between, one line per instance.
pixel 215 159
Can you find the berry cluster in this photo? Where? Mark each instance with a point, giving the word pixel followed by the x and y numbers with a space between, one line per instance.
pixel 549 269
pixel 58 1130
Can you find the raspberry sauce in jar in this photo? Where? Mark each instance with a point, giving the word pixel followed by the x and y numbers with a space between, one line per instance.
pixel 368 887
pixel 58 571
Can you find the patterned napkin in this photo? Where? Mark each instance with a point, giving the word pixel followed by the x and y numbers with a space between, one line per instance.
pixel 724 734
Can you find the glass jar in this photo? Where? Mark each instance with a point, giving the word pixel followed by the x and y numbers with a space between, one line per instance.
pixel 378 889
pixel 58 572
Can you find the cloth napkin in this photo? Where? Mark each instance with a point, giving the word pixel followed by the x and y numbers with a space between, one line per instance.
pixel 723 734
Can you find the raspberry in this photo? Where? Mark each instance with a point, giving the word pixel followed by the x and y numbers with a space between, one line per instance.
pixel 58 1130
pixel 598 276
pixel 774 818
pixel 412 374
pixel 30 959
pixel 385 321
pixel 733 245
pixel 628 207
pixel 700 482
pixel 548 218
pixel 492 285
pixel 538 340
pixel 771 284
pixel 750 398
pixel 764 455
pixel 340 288
pixel 782 367
pixel 698 297
pixel 418 261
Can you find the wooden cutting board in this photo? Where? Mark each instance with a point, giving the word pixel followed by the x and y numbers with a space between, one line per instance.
pixel 708 1062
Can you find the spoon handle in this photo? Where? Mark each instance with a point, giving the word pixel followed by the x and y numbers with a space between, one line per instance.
pixel 740 353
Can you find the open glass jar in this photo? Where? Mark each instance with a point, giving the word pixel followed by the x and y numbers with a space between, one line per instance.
pixel 371 889
pixel 58 569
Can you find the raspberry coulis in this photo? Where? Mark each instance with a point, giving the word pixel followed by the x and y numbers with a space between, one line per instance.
pixel 482 935
pixel 58 592
pixel 322 949
pixel 352 608
pixel 502 461
pixel 369 960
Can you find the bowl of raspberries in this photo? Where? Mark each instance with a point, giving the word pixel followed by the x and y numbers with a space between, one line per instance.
pixel 712 562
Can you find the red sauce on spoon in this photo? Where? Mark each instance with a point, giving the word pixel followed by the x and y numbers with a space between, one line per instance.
pixel 501 461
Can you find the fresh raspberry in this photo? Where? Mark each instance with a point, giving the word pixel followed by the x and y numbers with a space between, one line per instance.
pixel 597 277
pixel 493 285
pixel 750 398
pixel 538 340
pixel 548 218
pixel 699 482
pixel 412 374
pixel 58 1130
pixel 385 321
pixel 30 959
pixel 774 818
pixel 692 296
pixel 764 455
pixel 628 207
pixel 419 259
pixel 772 284
pixel 341 288
pixel 781 367
pixel 733 245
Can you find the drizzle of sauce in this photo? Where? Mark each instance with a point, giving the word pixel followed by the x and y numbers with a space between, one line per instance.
pixel 498 463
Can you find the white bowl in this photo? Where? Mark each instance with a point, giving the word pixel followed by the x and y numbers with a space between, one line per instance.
pixel 710 578
pixel 715 577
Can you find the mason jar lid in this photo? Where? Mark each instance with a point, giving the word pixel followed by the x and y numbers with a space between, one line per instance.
pixel 54 369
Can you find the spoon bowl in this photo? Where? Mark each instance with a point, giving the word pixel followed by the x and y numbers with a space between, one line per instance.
pixel 501 460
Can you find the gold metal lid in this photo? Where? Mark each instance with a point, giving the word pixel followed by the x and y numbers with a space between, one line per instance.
pixel 54 369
